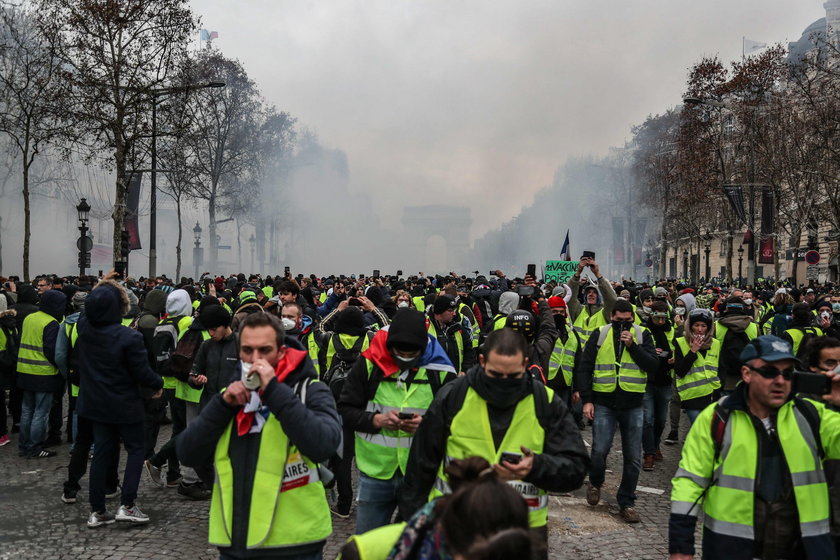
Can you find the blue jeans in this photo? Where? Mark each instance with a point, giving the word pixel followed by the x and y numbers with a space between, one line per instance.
pixel 34 415
pixel 630 423
pixel 692 415
pixel 377 501
pixel 656 414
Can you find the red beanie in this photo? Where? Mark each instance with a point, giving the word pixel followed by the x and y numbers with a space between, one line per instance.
pixel 556 301
pixel 687 291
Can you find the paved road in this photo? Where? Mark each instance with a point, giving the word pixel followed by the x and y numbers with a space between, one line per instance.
pixel 36 524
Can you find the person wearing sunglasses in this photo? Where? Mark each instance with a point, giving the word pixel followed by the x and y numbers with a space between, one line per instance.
pixel 753 462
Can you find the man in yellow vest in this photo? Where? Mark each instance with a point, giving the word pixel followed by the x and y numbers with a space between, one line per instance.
pixel 612 381
pixel 266 443
pixel 754 463
pixel 383 400
pixel 802 329
pixel 450 333
pixel 501 413
pixel 38 375
pixel 593 313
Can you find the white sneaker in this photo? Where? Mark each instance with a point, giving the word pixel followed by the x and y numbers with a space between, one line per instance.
pixel 131 514
pixel 97 519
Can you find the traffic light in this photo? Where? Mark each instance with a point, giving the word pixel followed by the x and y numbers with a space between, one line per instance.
pixel 125 244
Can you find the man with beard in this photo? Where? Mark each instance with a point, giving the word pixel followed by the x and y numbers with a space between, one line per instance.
pixel 528 435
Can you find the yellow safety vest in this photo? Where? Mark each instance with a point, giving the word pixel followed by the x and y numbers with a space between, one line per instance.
pixel 702 379
pixel 586 324
pixel 563 357
pixel 459 343
pixel 607 371
pixel 288 504
pixel 470 435
pixel 31 357
pixel 183 390
pixel 797 334
pixel 377 543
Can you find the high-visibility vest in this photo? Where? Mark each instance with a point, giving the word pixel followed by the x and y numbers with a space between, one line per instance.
pixel 751 331
pixel 380 455
pixel 184 390
pixel 702 379
pixel 377 543
pixel 563 357
pixel 586 324
pixel 347 341
pixel 268 291
pixel 608 371
pixel 727 480
pixel 182 324
pixel 470 435
pixel 312 350
pixel 72 336
pixel 419 303
pixel 288 504
pixel 797 334
pixel 475 328
pixel 499 322
pixel 459 343
pixel 31 357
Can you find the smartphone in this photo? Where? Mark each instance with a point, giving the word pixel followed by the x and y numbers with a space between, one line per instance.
pixel 354 301
pixel 811 383
pixel 405 415
pixel 588 255
pixel 532 271
pixel 492 272
pixel 399 273
pixel 525 291
pixel 286 270
pixel 375 273
pixel 100 274
pixel 512 458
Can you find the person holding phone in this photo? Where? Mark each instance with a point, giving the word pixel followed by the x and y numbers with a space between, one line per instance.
pixel 753 462
pixel 535 447
pixel 696 362
pixel 594 312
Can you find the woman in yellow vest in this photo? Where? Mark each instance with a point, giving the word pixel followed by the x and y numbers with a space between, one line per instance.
pixel 696 359
pixel 482 516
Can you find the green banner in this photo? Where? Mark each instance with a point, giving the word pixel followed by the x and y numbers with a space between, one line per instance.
pixel 560 271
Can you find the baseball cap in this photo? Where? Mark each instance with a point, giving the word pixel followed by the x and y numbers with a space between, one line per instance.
pixel 768 348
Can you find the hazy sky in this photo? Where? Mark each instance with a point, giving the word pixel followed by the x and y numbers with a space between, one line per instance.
pixel 476 103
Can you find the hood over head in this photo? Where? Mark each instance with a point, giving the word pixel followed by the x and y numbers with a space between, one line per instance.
pixel 27 294
pixel 690 302
pixel 53 303
pixel 350 321
pixel 104 305
pixel 508 302
pixel 179 304
pixel 155 302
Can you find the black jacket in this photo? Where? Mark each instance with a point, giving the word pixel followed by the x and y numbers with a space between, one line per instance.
pixel 561 467
pixel 113 365
pixel 643 355
pixel 313 427
pixel 219 363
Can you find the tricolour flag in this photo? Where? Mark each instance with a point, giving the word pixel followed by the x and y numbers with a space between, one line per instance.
pixel 206 35
pixel 566 252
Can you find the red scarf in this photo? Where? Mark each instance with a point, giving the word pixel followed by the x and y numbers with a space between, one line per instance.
pixel 290 361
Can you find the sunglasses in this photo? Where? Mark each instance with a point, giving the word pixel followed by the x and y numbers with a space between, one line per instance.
pixel 769 372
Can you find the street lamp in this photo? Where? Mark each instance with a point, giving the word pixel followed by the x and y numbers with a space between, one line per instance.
pixel 708 239
pixel 685 264
pixel 156 95
pixel 253 241
pixel 740 260
pixel 198 252
pixel 85 243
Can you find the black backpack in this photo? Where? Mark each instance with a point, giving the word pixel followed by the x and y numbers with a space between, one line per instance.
pixel 342 363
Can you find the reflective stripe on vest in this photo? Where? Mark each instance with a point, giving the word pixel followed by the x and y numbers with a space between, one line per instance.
pixel 470 435
pixel 288 503
pixel 729 484
pixel 630 376
pixel 379 455
pixel 563 358
pixel 702 379
pixel 586 324
pixel 31 357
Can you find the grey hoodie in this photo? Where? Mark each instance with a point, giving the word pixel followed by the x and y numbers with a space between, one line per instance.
pixel 508 302
pixel 178 304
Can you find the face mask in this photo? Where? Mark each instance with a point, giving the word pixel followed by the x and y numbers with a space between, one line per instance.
pixel 288 324
pixel 748 301
pixel 502 392
pixel 559 321
pixel 402 304
pixel 406 363
pixel 646 309
pixel 622 325
pixel 835 307
pixel 251 382
pixel 680 310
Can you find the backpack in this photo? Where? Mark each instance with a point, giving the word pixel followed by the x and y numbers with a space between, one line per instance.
pixel 164 340
pixel 9 353
pixel 182 357
pixel 342 363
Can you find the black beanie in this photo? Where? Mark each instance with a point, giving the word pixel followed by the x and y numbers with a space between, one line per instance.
pixel 443 303
pixel 213 316
pixel 350 321
pixel 408 330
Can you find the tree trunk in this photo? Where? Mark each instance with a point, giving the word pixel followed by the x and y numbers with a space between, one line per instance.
pixel 118 213
pixel 213 246
pixel 239 245
pixel 27 226
pixel 180 235
pixel 1 245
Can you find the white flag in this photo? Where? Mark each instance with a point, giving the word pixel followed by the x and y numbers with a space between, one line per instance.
pixel 751 46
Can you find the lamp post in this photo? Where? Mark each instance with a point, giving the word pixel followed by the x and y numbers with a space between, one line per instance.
pixel 252 240
pixel 708 248
pixel 198 252
pixel 156 95
pixel 740 260
pixel 685 264
pixel 85 243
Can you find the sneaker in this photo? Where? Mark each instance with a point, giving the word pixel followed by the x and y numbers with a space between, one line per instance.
pixel 131 514
pixel 4 439
pixel 43 454
pixel 96 519
pixel 68 496
pixel 629 515
pixel 113 494
pixel 194 491
pixel 341 511
pixel 647 465
pixel 672 439
pixel 658 456
pixel 154 473
pixel 174 483
pixel 593 495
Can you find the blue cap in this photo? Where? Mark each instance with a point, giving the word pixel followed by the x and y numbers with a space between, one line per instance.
pixel 768 348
